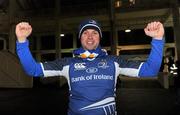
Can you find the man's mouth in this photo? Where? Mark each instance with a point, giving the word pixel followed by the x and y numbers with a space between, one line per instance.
pixel 90 42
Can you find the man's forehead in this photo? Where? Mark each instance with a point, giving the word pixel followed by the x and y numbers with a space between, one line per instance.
pixel 91 30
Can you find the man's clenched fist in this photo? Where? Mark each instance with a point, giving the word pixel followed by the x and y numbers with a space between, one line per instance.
pixel 155 30
pixel 23 30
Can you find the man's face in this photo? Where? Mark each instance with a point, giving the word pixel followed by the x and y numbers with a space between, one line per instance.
pixel 90 39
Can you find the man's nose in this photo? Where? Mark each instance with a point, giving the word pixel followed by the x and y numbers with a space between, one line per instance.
pixel 90 36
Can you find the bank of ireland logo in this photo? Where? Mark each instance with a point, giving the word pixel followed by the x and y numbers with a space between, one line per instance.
pixel 79 66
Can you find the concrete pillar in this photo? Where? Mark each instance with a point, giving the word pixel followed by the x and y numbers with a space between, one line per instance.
pixel 113 29
pixel 58 42
pixel 176 24
pixel 61 79
pixel 38 46
pixel 12 13
pixel 58 31
pixel 5 45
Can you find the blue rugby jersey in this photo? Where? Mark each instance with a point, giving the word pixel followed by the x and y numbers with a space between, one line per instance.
pixel 92 83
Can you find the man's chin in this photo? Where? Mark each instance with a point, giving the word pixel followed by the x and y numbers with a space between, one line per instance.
pixel 89 48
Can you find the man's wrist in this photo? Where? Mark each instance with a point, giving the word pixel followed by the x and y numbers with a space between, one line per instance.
pixel 21 40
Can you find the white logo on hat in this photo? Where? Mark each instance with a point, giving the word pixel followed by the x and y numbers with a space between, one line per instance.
pixel 92 21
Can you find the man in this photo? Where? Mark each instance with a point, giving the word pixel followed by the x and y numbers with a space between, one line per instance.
pixel 92 74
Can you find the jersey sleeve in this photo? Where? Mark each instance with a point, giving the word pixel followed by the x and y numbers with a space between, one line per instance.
pixel 31 67
pixel 59 67
pixel 152 65
pixel 127 67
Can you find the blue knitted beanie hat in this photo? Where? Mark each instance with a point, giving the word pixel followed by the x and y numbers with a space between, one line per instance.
pixel 89 24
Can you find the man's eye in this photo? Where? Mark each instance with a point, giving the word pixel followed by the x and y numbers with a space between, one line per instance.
pixel 85 33
pixel 95 32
